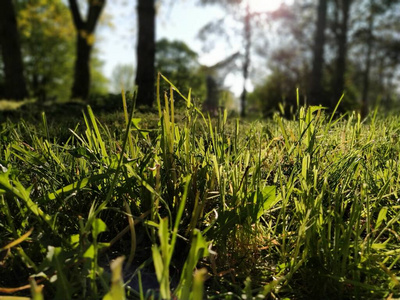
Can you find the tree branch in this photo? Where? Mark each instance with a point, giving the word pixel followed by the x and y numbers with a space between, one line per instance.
pixel 95 8
pixel 76 16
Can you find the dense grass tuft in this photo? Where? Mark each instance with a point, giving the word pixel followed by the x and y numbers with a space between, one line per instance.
pixel 192 206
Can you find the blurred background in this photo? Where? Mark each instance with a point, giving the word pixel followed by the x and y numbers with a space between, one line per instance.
pixel 249 56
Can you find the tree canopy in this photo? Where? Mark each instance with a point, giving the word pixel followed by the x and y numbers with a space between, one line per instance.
pixel 326 48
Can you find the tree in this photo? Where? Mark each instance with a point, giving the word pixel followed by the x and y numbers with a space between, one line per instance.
pixel 216 75
pixel 84 44
pixel 146 49
pixel 176 61
pixel 341 24
pixel 278 91
pixel 246 62
pixel 98 83
pixel 289 57
pixel 372 41
pixel 368 55
pixel 326 47
pixel 318 54
pixel 47 47
pixel 14 82
pixel 235 8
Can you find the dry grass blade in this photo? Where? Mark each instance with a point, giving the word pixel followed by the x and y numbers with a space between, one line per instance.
pixel 18 241
pixel 133 235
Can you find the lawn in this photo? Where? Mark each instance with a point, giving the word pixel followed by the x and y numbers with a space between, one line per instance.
pixel 178 205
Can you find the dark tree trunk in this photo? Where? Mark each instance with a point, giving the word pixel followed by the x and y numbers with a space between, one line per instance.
pixel 84 44
pixel 316 95
pixel 146 50
pixel 246 63
pixel 339 84
pixel 81 86
pixel 14 85
pixel 370 38
pixel 214 80
pixel 211 103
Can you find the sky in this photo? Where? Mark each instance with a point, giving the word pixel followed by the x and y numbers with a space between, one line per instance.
pixel 180 21
pixel 176 20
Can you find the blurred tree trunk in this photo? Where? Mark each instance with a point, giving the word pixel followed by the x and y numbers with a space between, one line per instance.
pixel 84 44
pixel 211 103
pixel 146 49
pixel 246 63
pixel 214 80
pixel 14 85
pixel 316 95
pixel 343 6
pixel 370 41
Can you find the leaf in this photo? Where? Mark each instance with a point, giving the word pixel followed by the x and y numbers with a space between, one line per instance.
pixel 189 283
pixel 17 189
pixel 162 257
pixel 80 152
pixel 378 246
pixel 305 166
pixel 163 233
pixel 158 263
pixel 117 291
pixel 270 199
pixel 36 290
pixel 261 202
pixel 381 216
pixel 314 108
pixel 74 240
pixel 174 87
pixel 198 284
pixel 98 227
pixel 89 253
pixel 143 132
pixel 135 122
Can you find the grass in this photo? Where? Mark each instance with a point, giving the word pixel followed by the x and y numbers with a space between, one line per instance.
pixel 191 207
pixel 11 105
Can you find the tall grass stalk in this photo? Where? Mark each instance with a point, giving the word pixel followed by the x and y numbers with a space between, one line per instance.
pixel 213 207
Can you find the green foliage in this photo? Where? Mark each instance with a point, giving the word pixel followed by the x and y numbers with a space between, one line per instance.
pixel 275 94
pixel 176 61
pixel 48 49
pixel 98 82
pixel 47 42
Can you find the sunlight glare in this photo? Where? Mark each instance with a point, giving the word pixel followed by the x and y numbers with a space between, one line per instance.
pixel 264 5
